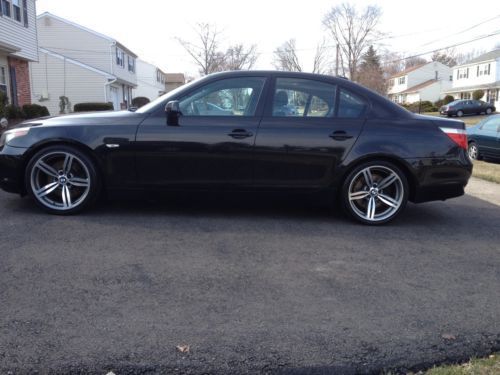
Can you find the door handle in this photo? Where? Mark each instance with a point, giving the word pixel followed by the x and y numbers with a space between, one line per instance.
pixel 340 135
pixel 240 134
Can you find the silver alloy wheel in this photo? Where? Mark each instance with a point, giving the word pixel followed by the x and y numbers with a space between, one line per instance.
pixel 60 180
pixel 488 111
pixel 460 114
pixel 473 152
pixel 376 193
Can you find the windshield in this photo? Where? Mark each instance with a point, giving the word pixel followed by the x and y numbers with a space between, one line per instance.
pixel 164 98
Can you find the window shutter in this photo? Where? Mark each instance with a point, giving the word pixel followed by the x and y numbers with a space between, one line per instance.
pixel 467 72
pixel 489 69
pixel 478 70
pixel 1 8
pixel 25 13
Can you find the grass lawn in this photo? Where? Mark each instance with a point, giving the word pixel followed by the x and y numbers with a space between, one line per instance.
pixel 486 366
pixel 489 171
pixel 469 120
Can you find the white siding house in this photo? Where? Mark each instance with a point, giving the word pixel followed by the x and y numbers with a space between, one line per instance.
pixel 422 82
pixel 481 73
pixel 93 53
pixel 18 46
pixel 150 81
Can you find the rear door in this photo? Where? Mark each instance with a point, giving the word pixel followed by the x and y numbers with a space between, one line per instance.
pixel 307 129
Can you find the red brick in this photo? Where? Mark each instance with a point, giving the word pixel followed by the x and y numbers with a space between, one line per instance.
pixel 22 79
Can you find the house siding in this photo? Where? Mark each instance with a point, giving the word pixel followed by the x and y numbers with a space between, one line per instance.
pixel 16 34
pixel 147 83
pixel 56 76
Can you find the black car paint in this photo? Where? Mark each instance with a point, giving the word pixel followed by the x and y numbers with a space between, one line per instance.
pixel 281 153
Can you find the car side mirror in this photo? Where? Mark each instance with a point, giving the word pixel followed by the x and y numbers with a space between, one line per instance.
pixel 173 112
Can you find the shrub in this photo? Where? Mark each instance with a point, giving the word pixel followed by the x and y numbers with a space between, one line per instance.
pixel 3 102
pixel 438 104
pixel 424 106
pixel 448 99
pixel 34 111
pixel 91 107
pixel 12 112
pixel 140 101
pixel 478 94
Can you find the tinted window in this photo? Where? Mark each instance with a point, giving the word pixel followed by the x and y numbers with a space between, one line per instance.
pixel 491 125
pixel 350 105
pixel 227 97
pixel 295 97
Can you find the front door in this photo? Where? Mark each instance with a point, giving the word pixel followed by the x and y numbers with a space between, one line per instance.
pixel 488 138
pixel 305 133
pixel 213 143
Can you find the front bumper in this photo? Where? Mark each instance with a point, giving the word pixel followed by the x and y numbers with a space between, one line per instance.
pixel 12 169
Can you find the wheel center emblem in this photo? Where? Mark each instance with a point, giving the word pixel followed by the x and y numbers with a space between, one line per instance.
pixel 374 192
pixel 63 180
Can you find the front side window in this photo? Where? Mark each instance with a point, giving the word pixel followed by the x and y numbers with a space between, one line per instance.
pixel 350 105
pixel 227 97
pixel 294 97
pixel 492 125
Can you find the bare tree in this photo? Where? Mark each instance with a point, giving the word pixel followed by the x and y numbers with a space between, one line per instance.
pixel 321 58
pixel 205 51
pixel 285 57
pixel 412 61
pixel 392 63
pixel 463 57
pixel 353 30
pixel 446 57
pixel 238 57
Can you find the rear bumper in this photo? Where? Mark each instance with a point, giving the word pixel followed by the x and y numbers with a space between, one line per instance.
pixel 11 169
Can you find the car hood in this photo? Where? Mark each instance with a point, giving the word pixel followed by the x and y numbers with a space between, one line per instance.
pixel 90 118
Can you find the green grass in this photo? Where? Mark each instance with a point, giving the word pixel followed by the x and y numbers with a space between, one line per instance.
pixel 486 366
pixel 487 171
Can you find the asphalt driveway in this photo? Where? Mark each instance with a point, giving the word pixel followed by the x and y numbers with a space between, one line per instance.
pixel 251 287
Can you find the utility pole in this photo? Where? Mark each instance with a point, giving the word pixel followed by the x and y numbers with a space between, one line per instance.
pixel 337 61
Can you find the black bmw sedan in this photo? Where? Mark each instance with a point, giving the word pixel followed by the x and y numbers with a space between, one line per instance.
pixel 272 131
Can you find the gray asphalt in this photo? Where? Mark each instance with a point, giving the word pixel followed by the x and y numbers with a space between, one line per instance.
pixel 251 286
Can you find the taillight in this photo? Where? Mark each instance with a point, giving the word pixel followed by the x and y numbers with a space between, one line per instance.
pixel 459 136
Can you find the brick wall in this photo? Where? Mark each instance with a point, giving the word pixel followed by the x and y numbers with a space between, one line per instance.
pixel 22 79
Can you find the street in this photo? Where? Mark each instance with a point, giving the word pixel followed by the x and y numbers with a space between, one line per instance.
pixel 251 286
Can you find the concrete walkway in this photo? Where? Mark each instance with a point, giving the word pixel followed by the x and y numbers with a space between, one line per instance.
pixel 485 190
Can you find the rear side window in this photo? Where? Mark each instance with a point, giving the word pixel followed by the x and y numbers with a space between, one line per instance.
pixel 350 105
pixel 296 97
pixel 492 125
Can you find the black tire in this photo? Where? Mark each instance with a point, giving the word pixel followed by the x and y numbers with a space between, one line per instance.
pixel 77 188
pixel 473 151
pixel 352 186
pixel 460 113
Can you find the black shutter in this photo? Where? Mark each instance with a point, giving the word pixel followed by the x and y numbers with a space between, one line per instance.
pixel 1 8
pixel 25 13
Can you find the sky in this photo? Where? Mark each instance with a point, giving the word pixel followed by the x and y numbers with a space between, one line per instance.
pixel 150 28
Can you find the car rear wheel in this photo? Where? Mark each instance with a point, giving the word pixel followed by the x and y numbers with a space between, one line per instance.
pixel 473 151
pixel 460 113
pixel 62 180
pixel 488 111
pixel 375 192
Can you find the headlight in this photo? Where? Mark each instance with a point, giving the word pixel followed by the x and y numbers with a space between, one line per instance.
pixel 9 135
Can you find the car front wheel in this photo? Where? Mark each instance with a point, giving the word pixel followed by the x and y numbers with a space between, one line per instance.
pixel 375 192
pixel 473 151
pixel 62 180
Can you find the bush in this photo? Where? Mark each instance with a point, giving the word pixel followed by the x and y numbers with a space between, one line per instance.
pixel 140 101
pixel 478 94
pixel 448 99
pixel 91 107
pixel 438 104
pixel 34 111
pixel 3 102
pixel 424 106
pixel 12 112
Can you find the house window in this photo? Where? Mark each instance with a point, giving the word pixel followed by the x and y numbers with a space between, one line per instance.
pixel 120 58
pixel 16 6
pixel 3 79
pixel 401 80
pixel 483 70
pixel 462 73
pixel 131 64
pixel 6 8
pixel 25 12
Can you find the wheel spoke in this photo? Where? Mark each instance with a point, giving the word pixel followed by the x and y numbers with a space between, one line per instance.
pixel 47 189
pixel 47 169
pixel 388 200
pixel 368 177
pixel 79 182
pixel 387 181
pixel 358 195
pixel 68 162
pixel 66 197
pixel 370 211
